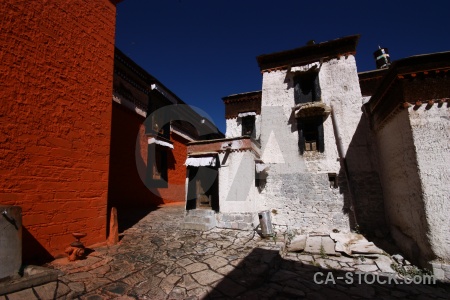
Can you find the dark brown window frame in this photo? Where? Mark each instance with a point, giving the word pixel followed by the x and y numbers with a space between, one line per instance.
pixel 248 126
pixel 310 134
pixel 157 166
pixel 306 87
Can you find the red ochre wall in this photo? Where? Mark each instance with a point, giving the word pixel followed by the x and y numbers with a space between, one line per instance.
pixel 126 189
pixel 128 164
pixel 176 171
pixel 56 76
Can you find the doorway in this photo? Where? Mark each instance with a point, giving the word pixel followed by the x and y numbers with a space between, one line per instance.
pixel 203 188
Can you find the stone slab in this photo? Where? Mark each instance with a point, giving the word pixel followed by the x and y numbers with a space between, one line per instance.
pixel 216 262
pixel 328 246
pixel 21 295
pixel 46 291
pixel 297 244
pixel 184 262
pixel 26 282
pixel 340 247
pixel 195 267
pixel 347 238
pixel 366 268
pixel 313 244
pixel 365 248
pixel 384 264
pixel 206 277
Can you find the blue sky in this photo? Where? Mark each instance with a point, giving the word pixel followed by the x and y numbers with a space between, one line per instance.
pixel 205 50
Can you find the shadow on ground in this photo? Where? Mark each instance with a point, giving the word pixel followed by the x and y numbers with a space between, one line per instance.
pixel 263 274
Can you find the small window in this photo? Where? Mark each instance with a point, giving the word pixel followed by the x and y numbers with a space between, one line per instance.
pixel 310 131
pixel 156 166
pixel 311 135
pixel 306 87
pixel 158 121
pixel 248 126
pixel 160 125
pixel 333 179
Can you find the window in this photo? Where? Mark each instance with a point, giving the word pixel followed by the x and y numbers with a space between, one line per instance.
pixel 333 179
pixel 310 131
pixel 306 87
pixel 156 166
pixel 260 175
pixel 248 126
pixel 158 121
pixel 160 124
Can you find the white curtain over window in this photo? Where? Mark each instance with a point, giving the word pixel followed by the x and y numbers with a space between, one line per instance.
pixel 205 161
pixel 159 142
pixel 246 114
pixel 260 167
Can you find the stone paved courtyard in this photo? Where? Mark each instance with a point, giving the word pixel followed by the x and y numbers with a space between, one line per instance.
pixel 157 260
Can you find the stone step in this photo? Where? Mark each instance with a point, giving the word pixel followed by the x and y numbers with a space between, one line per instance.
pixel 200 220
pixel 201 212
pixel 236 225
pixel 197 226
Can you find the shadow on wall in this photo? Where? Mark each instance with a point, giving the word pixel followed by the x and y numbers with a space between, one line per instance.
pixel 263 274
pixel 125 187
pixel 126 191
pixel 171 160
pixel 365 184
pixel 343 189
pixel 32 250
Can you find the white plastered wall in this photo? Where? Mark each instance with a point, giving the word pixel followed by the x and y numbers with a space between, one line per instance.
pixel 279 137
pixel 431 136
pixel 339 86
pixel 237 191
pixel 340 89
pixel 297 187
pixel 402 187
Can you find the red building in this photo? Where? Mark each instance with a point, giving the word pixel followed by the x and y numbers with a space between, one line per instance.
pixel 58 122
pixel 151 127
pixel 56 73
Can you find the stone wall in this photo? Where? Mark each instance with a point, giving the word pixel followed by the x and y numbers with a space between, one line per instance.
pixel 56 74
pixel 306 201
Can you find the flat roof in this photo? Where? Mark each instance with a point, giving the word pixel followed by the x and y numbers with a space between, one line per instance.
pixel 309 53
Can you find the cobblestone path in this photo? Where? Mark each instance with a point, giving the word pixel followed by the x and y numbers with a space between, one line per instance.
pixel 157 260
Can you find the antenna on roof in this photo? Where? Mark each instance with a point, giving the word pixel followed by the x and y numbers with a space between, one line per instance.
pixel 382 58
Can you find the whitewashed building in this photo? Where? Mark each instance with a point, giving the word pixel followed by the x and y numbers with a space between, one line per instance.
pixel 324 148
